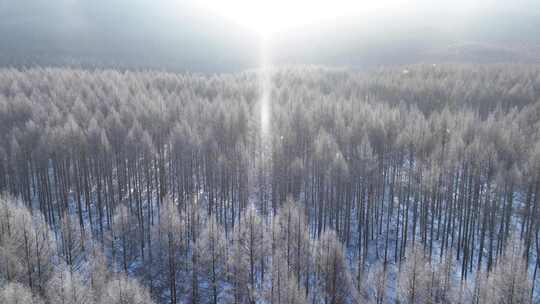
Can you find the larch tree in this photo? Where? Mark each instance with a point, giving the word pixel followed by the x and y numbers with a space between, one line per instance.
pixel 26 245
pixel 169 249
pixel 509 282
pixel 377 281
pixel 283 286
pixel 247 256
pixel 124 290
pixel 72 242
pixel 14 293
pixel 68 287
pixel 414 279
pixel 333 279
pixel 98 273
pixel 212 250
pixel 291 238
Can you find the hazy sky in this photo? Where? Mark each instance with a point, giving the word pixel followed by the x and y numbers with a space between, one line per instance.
pixel 281 15
pixel 209 35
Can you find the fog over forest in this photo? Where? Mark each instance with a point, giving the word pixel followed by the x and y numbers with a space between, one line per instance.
pixel 281 152
pixel 183 36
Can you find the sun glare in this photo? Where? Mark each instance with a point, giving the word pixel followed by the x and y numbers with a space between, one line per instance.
pixel 274 16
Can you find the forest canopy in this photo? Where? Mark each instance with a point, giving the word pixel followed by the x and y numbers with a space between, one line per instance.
pixel 418 183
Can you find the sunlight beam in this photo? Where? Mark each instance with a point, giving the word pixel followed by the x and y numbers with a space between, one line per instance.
pixel 266 86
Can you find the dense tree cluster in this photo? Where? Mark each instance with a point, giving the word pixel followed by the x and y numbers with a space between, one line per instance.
pixel 36 265
pixel 419 184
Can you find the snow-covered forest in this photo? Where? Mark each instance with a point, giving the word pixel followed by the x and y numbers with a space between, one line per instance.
pixel 416 184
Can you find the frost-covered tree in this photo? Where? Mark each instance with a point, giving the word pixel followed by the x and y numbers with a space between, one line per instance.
pixel 377 281
pixel 291 238
pixel 442 283
pixel 509 282
pixel 124 290
pixel 247 257
pixel 283 286
pixel 211 247
pixel 124 237
pixel 68 287
pixel 413 285
pixel 14 293
pixel 26 245
pixel 333 279
pixel 72 243
pixel 169 250
pixel 98 272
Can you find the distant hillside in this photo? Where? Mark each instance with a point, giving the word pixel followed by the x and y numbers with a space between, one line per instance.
pixel 484 53
pixel 178 36
pixel 170 35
